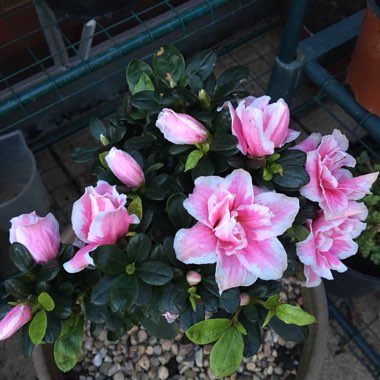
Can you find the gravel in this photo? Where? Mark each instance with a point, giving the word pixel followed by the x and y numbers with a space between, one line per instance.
pixel 139 356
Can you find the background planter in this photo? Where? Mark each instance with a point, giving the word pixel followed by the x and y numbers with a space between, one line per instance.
pixel 364 70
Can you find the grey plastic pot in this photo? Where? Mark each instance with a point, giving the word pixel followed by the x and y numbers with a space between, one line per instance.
pixel 314 347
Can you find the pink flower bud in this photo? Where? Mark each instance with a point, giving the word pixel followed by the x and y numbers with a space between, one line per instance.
pixel 40 235
pixel 14 320
pixel 244 299
pixel 125 168
pixel 180 128
pixel 170 317
pixel 261 127
pixel 193 278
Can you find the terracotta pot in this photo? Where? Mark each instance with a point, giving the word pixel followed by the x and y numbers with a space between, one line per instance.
pixel 364 70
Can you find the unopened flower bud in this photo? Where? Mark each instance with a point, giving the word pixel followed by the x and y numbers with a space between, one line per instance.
pixel 244 299
pixel 193 278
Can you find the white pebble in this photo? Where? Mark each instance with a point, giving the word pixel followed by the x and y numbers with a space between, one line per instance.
pixel 98 360
pixel 163 373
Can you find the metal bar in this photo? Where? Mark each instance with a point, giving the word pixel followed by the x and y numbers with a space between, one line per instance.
pixel 354 335
pixel 86 39
pixel 110 55
pixel 52 33
pixel 323 79
pixel 292 31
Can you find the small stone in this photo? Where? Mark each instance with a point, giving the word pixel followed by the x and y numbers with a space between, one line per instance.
pixel 185 349
pixel 163 373
pixel 144 362
pixel 103 351
pixel 114 369
pixel 164 359
pixel 207 349
pixel 152 341
pixel 278 371
pixel 157 350
pixel 175 349
pixel 152 374
pixel 128 367
pixel 281 341
pixel 82 377
pixel 98 360
pixel 142 336
pixel 107 359
pixel 118 359
pixel 166 344
pixel 190 374
pixel 104 368
pixel 118 376
pixel 88 344
pixel 155 362
pixel 260 355
pixel 199 358
pixel 149 350
pixel 267 349
pixel 269 370
pixel 251 366
pixel 270 358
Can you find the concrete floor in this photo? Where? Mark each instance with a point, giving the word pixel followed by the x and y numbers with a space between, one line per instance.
pixel 65 181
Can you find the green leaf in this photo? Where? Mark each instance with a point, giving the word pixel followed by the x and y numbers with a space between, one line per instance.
pixel 292 157
pixel 161 328
pixel 135 71
pixel 98 129
pixel 268 317
pixel 227 353
pixel 124 292
pixel 208 331
pixel 37 327
pixel 95 313
pixel 252 340
pixel 300 233
pixel 155 193
pixel 84 153
pixel 139 248
pixel 193 159
pixel 223 142
pixel 230 80
pixel 264 289
pixel 155 273
pixel 109 259
pixel 68 346
pixel 17 287
pixel 26 344
pixel 271 301
pixel 230 300
pixel 177 214
pixel 20 257
pixel 49 271
pixel 101 291
pixel 169 64
pixel 46 301
pixel 135 208
pixel 293 178
pixel 144 84
pixel 53 329
pixel 240 328
pixel 205 167
pixel 294 315
pixel 178 149
pixel 293 333
pixel 202 64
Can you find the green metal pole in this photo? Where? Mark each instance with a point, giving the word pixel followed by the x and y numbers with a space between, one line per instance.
pixel 76 72
pixel 323 79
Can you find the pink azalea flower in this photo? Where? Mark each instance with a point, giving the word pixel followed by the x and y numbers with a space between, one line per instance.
pixel 39 234
pixel 170 317
pixel 330 241
pixel 14 320
pixel 98 217
pixel 125 168
pixel 237 228
pixel 180 128
pixel 261 127
pixel 331 185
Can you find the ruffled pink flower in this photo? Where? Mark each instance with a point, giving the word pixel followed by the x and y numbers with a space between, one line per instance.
pixel 14 320
pixel 180 128
pixel 261 127
pixel 170 317
pixel 331 185
pixel 40 235
pixel 125 168
pixel 237 228
pixel 330 241
pixel 98 217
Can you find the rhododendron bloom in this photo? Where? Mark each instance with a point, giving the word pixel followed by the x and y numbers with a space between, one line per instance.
pixel 180 128
pixel 331 185
pixel 330 241
pixel 259 126
pixel 40 235
pixel 237 228
pixel 125 168
pixel 17 317
pixel 98 217
pixel 170 317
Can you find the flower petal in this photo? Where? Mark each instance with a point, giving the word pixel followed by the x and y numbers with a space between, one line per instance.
pixel 230 273
pixel 312 279
pixel 239 183
pixel 310 143
pixel 195 245
pixel 266 259
pixel 81 260
pixel 17 317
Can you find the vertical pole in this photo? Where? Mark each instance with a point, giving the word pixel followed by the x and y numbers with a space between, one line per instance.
pixel 286 69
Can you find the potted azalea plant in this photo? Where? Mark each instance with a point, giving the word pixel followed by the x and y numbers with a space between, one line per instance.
pixel 202 205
